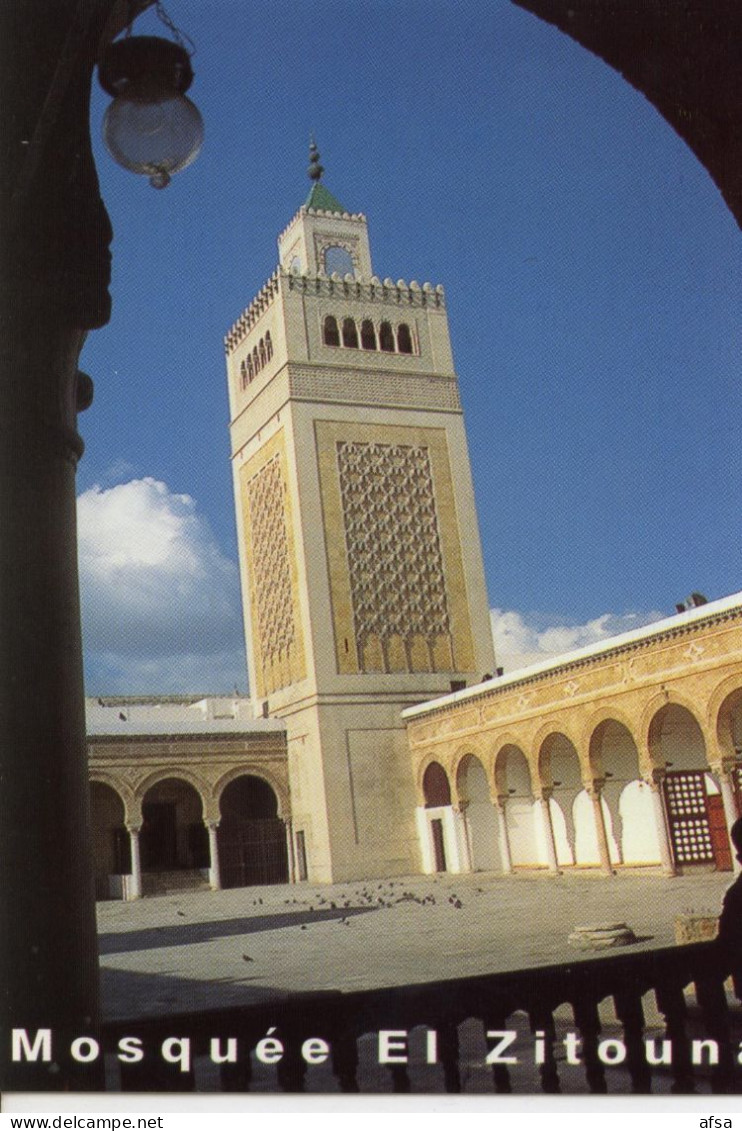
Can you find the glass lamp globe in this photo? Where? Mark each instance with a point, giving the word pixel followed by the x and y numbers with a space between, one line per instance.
pixel 150 128
pixel 153 138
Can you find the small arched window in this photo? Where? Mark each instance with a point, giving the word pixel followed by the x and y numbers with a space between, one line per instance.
pixel 261 351
pixel 338 259
pixel 332 334
pixel 386 338
pixel 404 338
pixel 368 335
pixel 350 334
pixel 256 359
pixel 250 368
pixel 268 345
pixel 243 373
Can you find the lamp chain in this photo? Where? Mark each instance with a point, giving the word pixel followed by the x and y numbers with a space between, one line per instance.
pixel 179 36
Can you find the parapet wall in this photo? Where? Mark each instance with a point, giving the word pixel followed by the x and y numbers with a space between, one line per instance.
pixel 374 290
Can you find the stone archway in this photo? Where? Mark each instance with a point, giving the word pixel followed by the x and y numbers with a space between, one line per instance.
pixel 572 824
pixel 110 841
pixel 729 738
pixel 436 786
pixel 251 836
pixel 174 842
pixel 439 843
pixel 694 806
pixel 480 816
pixel 628 809
pixel 513 777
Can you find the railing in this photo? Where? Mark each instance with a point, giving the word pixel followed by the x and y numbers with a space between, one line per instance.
pixel 575 1027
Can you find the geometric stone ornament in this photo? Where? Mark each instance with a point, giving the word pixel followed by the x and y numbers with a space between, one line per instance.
pixel 270 561
pixel 393 545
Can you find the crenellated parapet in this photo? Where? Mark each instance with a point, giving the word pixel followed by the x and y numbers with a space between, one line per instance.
pixel 263 299
pixel 373 290
pixel 330 215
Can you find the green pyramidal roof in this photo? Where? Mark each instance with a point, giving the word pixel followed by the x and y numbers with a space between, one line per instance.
pixel 323 200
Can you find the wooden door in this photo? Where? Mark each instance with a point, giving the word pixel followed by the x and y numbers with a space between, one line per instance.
pixel 719 835
pixel 439 845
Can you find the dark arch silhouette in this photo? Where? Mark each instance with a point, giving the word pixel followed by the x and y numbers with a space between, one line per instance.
pixel 683 57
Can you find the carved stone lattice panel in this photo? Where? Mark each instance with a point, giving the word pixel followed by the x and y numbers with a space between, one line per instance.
pixel 395 562
pixel 270 561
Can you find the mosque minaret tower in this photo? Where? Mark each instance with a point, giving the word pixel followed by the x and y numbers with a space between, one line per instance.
pixel 360 557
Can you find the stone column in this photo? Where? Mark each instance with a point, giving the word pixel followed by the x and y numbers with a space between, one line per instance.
pixel 215 879
pixel 290 851
pixel 135 887
pixel 461 832
pixel 49 954
pixel 546 824
pixel 503 834
pixel 56 267
pixel 466 850
pixel 595 792
pixel 655 783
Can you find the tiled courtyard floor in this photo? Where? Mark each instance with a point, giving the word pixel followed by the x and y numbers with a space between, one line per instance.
pixel 206 950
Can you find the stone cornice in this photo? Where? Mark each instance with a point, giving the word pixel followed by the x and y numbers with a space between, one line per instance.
pixel 275 737
pixel 499 688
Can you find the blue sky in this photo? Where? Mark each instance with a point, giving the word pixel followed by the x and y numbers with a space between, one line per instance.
pixel 593 278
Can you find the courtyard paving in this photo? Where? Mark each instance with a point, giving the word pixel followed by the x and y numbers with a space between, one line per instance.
pixel 208 950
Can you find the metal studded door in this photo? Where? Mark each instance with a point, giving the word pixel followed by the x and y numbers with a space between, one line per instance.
pixel 690 833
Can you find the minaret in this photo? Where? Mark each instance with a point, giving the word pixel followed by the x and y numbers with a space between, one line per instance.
pixel 361 565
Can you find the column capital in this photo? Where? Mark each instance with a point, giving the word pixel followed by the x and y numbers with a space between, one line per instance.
pixel 133 828
pixel 211 823
pixel 545 793
pixel 723 766
pixel 655 779
pixel 594 787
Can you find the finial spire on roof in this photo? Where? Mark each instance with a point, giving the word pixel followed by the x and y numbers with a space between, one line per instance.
pixel 320 199
pixel 315 170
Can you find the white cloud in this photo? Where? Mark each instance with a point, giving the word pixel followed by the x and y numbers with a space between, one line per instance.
pixel 525 639
pixel 161 607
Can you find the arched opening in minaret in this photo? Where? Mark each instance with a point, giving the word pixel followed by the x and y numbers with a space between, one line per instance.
pixel 331 331
pixel 338 261
pixel 350 334
pixel 404 338
pixel 386 337
pixel 251 836
pixel 368 335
